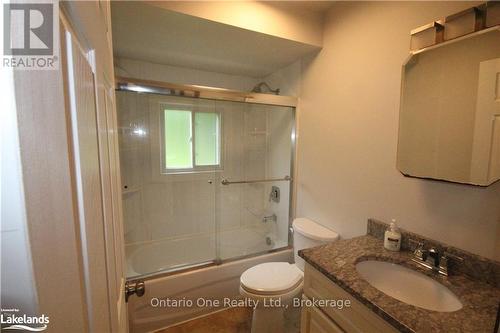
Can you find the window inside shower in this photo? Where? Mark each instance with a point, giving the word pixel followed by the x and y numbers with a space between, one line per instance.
pixel 191 140
pixel 204 181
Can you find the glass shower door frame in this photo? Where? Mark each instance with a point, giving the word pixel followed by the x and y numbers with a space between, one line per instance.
pixel 291 195
pixel 160 88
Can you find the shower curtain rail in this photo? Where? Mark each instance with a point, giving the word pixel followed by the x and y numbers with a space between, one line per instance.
pixel 195 91
pixel 227 182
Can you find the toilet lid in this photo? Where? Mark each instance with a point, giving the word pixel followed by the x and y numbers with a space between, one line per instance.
pixel 271 277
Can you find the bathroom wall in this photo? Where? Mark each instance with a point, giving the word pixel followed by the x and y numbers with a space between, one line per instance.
pixel 278 161
pixel 173 74
pixel 287 79
pixel 349 113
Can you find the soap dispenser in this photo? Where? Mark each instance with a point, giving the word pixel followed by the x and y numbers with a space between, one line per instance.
pixel 392 237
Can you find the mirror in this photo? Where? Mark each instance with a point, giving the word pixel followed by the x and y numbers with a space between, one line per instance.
pixel 449 126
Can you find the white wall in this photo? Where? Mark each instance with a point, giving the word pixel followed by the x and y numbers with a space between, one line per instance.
pixel 158 72
pixel 287 79
pixel 349 129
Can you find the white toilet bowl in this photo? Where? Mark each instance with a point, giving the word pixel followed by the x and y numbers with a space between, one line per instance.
pixel 273 285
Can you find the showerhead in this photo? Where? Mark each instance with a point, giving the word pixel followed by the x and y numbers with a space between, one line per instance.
pixel 258 88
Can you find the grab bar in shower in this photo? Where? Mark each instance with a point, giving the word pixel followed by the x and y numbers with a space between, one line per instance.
pixel 227 182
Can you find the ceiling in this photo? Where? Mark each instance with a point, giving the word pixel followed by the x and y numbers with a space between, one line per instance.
pixel 149 33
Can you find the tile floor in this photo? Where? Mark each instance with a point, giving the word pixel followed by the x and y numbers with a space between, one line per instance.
pixel 233 320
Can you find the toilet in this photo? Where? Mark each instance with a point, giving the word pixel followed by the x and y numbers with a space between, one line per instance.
pixel 275 284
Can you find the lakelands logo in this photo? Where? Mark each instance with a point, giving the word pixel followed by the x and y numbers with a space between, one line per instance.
pixel 10 319
pixel 30 35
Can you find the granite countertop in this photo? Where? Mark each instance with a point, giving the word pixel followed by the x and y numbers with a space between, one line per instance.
pixel 338 260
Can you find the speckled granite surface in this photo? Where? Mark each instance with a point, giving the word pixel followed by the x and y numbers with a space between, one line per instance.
pixel 338 262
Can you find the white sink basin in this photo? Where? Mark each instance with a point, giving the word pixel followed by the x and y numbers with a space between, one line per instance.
pixel 408 286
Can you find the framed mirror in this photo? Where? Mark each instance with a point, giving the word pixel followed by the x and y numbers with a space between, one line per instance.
pixel 449 126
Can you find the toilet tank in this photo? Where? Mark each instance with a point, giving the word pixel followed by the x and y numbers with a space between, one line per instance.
pixel 306 234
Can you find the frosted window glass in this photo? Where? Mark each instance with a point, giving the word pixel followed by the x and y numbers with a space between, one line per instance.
pixel 178 137
pixel 206 136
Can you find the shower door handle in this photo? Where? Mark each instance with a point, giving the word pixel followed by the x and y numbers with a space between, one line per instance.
pixel 224 181
pixel 134 287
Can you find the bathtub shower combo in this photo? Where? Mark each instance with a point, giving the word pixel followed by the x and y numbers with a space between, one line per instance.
pixel 206 177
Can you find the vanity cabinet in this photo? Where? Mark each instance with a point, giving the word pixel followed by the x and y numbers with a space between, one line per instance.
pixel 315 321
pixel 356 318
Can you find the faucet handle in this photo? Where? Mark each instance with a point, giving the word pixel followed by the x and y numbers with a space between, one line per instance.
pixel 449 255
pixel 443 265
pixel 443 261
pixel 416 243
pixel 418 250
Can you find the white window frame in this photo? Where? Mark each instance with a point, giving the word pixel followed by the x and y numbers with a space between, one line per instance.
pixel 163 146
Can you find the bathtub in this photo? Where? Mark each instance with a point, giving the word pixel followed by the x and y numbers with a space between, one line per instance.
pixel 155 256
pixel 215 282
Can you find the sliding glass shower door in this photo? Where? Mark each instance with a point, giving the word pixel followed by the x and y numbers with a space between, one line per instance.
pixel 203 180
pixel 253 196
pixel 169 152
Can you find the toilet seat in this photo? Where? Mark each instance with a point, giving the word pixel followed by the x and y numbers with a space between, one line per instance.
pixel 271 278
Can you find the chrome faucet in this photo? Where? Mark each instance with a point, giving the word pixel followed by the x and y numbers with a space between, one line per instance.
pixel 432 259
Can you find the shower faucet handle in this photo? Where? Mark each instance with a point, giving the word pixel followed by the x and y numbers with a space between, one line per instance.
pixel 275 195
pixel 268 218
